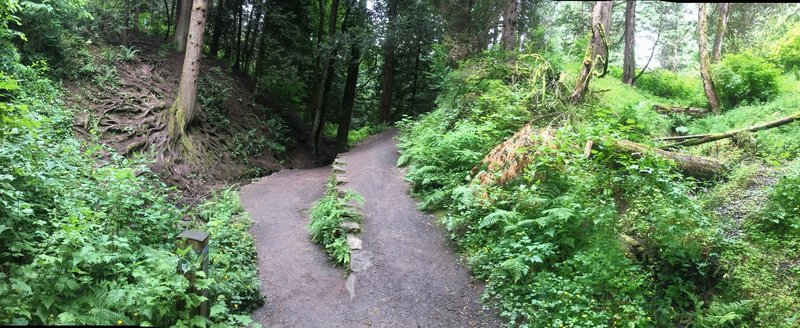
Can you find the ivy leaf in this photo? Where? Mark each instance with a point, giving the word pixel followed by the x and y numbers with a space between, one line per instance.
pixel 198 321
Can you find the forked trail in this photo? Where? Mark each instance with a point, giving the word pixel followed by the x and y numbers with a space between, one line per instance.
pixel 412 276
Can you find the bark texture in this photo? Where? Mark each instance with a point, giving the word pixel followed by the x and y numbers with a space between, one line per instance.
pixel 182 24
pixel 629 60
pixel 705 65
pixel 183 109
pixel 722 26
pixel 510 25
pixel 596 50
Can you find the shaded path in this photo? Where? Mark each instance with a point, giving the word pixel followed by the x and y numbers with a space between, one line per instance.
pixel 414 280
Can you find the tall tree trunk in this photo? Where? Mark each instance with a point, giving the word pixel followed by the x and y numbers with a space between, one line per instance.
pixel 136 18
pixel 182 111
pixel 320 100
pixel 629 60
pixel 127 23
pixel 705 70
pixel 168 10
pixel 351 82
pixel 218 29
pixel 724 11
pixel 251 43
pixel 510 25
pixel 238 51
pixel 262 53
pixel 416 75
pixel 182 27
pixel 349 97
pixel 388 65
pixel 597 49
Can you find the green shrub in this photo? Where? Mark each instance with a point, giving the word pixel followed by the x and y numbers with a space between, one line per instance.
pixel 326 215
pixel 673 86
pixel 787 51
pixel 745 78
pixel 89 239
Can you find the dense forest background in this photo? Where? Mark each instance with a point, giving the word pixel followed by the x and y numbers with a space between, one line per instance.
pixel 598 163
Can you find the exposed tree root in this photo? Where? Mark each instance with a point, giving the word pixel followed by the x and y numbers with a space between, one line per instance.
pixel 131 117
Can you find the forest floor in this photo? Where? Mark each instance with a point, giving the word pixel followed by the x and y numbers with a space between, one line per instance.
pixel 410 274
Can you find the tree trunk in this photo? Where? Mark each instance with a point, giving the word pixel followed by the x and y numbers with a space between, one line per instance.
pixel 692 165
pixel 724 9
pixel 351 82
pixel 182 27
pixel 249 57
pixel 629 60
pixel 510 25
pixel 597 48
pixel 698 139
pixel 320 100
pixel 136 18
pixel 348 100
pixel 218 29
pixel 168 10
pixel 246 55
pixel 127 22
pixel 691 111
pixel 388 65
pixel 238 51
pixel 705 70
pixel 182 111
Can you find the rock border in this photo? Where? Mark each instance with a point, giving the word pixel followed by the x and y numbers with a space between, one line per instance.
pixel 359 258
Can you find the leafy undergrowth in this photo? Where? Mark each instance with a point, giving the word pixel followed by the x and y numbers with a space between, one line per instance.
pixel 328 213
pixel 79 248
pixel 609 240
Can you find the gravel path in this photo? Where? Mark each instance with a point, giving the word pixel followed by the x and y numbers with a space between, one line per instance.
pixel 410 275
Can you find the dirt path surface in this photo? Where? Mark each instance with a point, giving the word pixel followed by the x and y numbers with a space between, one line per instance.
pixel 408 273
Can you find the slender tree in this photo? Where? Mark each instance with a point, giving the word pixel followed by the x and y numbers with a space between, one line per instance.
pixel 724 13
pixel 182 111
pixel 182 24
pixel 596 50
pixel 324 83
pixel 351 82
pixel 510 25
pixel 388 64
pixel 629 60
pixel 218 28
pixel 705 70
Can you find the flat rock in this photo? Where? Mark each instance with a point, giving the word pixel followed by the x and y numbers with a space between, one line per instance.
pixel 350 226
pixel 360 260
pixel 353 242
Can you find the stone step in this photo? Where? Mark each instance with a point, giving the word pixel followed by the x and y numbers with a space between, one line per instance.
pixel 353 242
pixel 350 226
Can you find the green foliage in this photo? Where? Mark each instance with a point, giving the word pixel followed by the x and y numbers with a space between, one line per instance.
pixel 782 214
pixel 773 145
pixel 327 214
pixel 677 88
pixel 787 50
pixel 484 101
pixel 356 135
pixel 745 78
pixel 78 249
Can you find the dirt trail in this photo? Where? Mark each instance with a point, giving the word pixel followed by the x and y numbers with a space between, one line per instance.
pixel 412 277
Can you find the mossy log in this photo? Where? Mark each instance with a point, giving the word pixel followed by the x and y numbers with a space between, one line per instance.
pixel 691 111
pixel 692 165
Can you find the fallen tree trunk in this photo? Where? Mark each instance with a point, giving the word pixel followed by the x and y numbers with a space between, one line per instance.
pixel 691 111
pixel 509 159
pixel 698 139
pixel 692 165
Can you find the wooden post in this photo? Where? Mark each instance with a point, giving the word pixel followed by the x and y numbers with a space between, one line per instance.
pixel 198 241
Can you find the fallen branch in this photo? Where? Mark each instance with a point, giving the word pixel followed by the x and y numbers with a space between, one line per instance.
pixel 699 139
pixel 691 111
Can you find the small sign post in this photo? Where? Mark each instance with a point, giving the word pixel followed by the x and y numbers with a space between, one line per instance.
pixel 198 240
